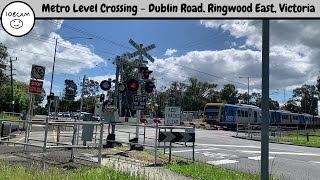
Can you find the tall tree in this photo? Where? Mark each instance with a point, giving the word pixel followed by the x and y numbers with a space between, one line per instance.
pixel 197 94
pixel 90 91
pixel 292 106
pixel 70 90
pixel 229 94
pixel 3 56
pixel 306 95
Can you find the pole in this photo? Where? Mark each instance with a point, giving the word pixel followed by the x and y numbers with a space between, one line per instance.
pixel 265 102
pixel 248 91
pixel 11 73
pixel 116 93
pixel 54 61
pixel 139 93
pixel 81 104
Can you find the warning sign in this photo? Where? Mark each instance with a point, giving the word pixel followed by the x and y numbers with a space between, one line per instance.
pixel 38 72
pixel 35 87
pixel 172 115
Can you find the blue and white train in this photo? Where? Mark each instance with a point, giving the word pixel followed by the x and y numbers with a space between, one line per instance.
pixel 230 115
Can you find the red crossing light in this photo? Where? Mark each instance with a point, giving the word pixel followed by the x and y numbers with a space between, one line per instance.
pixel 133 85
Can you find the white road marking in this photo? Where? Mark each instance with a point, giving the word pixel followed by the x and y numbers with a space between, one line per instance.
pixel 220 162
pixel 314 162
pixel 218 155
pixel 190 150
pixel 283 153
pixel 258 158
pixel 226 145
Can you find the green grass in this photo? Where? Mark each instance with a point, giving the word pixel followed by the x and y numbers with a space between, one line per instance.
pixel 294 138
pixel 19 172
pixel 209 172
pixel 8 116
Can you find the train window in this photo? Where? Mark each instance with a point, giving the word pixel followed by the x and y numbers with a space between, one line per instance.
pixel 242 113
pixel 246 113
pixel 239 113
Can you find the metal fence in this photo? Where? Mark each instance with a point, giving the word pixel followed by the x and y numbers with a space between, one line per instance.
pixel 63 130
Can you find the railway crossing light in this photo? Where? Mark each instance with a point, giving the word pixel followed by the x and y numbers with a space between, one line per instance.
pixel 149 87
pixel 133 85
pixel 145 72
pixel 105 85
pixel 122 88
pixel 102 98
pixel 50 97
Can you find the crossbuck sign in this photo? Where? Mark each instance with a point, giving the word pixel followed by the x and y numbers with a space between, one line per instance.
pixel 141 51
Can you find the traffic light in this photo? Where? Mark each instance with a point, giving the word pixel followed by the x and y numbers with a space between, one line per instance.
pixel 50 97
pixel 145 72
pixel 133 85
pixel 105 85
pixel 149 87
pixel 122 88
pixel 102 98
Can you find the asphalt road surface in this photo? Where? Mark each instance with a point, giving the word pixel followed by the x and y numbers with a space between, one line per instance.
pixel 220 148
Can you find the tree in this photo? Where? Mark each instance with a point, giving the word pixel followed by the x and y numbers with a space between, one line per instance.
pixel 292 106
pixel 197 94
pixel 90 90
pixel 306 95
pixel 3 56
pixel 229 94
pixel 21 96
pixel 70 90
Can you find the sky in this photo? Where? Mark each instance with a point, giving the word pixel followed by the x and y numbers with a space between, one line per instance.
pixel 215 51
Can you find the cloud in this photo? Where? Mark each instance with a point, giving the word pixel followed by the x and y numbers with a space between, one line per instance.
pixel 294 52
pixel 38 48
pixel 101 78
pixel 170 52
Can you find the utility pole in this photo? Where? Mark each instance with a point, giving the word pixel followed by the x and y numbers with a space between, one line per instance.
pixel 11 74
pixel 248 100
pixel 265 102
pixel 54 61
pixel 116 91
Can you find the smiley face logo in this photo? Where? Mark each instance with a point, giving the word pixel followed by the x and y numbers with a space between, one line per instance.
pixel 17 18
pixel 16 23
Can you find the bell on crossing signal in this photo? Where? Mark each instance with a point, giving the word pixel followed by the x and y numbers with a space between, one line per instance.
pixel 105 85
pixel 133 85
pixel 149 87
pixel 122 88
pixel 102 98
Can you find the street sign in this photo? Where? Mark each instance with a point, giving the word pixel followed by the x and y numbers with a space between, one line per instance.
pixel 38 72
pixel 176 137
pixel 139 102
pixel 141 51
pixel 35 87
pixel 172 116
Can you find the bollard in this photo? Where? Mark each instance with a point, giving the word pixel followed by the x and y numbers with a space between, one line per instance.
pixel 164 143
pixel 307 136
pixel 58 134
pixel 144 134
pixel 100 143
pixel 1 130
pixel 170 146
pixel 155 146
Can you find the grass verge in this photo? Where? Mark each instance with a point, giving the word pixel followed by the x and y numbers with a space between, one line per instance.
pixel 185 167
pixel 18 171
pixel 208 172
pixel 294 138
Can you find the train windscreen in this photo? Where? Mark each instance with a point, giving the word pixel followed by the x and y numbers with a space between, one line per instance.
pixel 211 112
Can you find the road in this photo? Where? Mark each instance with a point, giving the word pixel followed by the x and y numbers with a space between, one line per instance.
pixel 218 147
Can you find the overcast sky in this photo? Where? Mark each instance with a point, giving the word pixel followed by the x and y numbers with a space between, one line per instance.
pixel 217 51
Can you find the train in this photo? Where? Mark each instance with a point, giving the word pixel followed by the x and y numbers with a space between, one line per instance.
pixel 230 115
